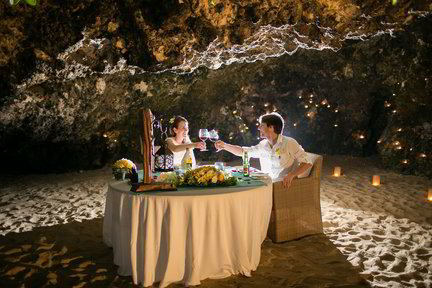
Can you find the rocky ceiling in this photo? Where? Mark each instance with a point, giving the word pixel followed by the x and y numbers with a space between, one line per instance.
pixel 73 71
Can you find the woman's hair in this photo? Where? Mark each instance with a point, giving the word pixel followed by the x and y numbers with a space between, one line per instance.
pixel 175 124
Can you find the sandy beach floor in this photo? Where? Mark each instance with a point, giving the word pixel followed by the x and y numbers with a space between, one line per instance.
pixel 51 234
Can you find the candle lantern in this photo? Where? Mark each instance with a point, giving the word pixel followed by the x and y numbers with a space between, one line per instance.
pixel 429 198
pixel 337 171
pixel 163 158
pixel 376 180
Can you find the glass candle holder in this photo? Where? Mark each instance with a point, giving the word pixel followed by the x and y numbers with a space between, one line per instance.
pixel 376 180
pixel 337 171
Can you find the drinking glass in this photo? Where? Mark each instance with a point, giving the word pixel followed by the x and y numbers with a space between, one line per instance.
pixel 214 136
pixel 203 135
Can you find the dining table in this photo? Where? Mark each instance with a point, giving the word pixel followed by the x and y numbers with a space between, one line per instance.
pixel 187 235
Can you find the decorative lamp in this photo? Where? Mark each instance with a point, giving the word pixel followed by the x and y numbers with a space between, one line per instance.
pixel 376 180
pixel 429 198
pixel 337 171
pixel 163 158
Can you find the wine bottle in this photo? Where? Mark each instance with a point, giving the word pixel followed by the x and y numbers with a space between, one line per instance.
pixel 245 164
pixel 187 160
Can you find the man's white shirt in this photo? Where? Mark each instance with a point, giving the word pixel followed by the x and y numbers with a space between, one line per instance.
pixel 279 159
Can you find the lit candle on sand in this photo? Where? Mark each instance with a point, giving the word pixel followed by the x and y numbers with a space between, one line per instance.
pixel 429 198
pixel 337 171
pixel 375 180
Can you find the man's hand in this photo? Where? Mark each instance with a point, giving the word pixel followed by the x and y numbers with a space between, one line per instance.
pixel 220 145
pixel 287 180
pixel 200 145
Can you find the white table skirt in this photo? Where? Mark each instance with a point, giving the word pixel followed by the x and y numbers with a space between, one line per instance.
pixel 186 236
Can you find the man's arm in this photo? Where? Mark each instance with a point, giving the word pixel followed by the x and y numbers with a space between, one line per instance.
pixel 291 175
pixel 234 149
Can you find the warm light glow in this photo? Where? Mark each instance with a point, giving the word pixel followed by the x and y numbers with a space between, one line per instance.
pixel 337 171
pixel 230 137
pixel 398 147
pixel 335 125
pixel 405 161
pixel 309 114
pixel 361 136
pixel 379 141
pixel 328 106
pixel 241 131
pixel 115 140
pixel 336 110
pixel 274 110
pixel 430 195
pixel 324 102
pixel 306 106
pixel 396 143
pixel 257 124
pixel 266 104
pixel 375 180
pixel 295 124
pixel 311 95
pixel 394 94
pixel 316 105
pixel 310 101
pixel 300 97
pixel 235 111
pixel 422 155
pixel 394 111
pixel 105 135
pixel 387 104
pixel 252 106
pixel 399 130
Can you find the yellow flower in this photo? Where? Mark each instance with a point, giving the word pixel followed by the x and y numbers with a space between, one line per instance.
pixel 214 179
pixel 277 152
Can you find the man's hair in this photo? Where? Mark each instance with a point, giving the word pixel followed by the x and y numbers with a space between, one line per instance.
pixel 274 119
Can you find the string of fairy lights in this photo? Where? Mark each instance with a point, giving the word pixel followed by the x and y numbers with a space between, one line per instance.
pixel 310 103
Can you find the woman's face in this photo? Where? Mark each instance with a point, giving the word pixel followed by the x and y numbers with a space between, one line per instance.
pixel 182 129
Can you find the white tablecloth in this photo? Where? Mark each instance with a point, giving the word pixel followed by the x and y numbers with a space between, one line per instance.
pixel 186 236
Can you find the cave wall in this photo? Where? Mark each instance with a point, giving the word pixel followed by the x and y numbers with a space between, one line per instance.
pixel 72 82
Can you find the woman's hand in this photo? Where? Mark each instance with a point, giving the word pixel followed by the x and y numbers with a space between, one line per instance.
pixel 200 145
pixel 220 145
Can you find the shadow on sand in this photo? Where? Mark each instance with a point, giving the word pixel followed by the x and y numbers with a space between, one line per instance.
pixel 74 255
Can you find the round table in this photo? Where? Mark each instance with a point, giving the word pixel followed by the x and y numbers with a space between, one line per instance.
pixel 186 236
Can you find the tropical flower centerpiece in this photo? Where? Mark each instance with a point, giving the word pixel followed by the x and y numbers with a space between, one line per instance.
pixel 202 176
pixel 122 167
pixel 208 176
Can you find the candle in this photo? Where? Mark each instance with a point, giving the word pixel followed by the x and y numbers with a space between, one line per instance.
pixel 375 180
pixel 337 171
pixel 429 198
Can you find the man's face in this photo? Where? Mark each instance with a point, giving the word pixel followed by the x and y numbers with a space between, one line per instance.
pixel 264 130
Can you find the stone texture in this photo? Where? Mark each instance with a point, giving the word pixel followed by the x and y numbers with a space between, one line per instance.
pixel 73 72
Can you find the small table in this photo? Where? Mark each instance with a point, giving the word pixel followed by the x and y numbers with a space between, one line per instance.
pixel 187 235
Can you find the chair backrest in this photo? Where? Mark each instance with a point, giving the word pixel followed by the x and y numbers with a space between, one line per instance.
pixel 317 161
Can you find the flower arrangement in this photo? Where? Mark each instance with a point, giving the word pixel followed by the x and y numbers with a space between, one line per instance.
pixel 170 177
pixel 202 176
pixel 208 175
pixel 122 167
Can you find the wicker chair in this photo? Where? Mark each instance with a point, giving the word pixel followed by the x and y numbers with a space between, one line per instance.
pixel 297 211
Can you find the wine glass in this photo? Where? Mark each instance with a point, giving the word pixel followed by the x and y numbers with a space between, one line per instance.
pixel 203 135
pixel 214 136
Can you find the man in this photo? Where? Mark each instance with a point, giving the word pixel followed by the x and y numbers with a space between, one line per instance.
pixel 280 156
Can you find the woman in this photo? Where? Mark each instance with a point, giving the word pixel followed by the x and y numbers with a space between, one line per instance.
pixel 180 141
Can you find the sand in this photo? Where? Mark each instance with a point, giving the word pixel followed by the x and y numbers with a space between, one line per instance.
pixel 51 227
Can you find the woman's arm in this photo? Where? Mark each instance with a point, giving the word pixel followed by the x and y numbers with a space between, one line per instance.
pixel 181 147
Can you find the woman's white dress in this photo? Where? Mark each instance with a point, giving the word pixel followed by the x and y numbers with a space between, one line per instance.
pixel 178 156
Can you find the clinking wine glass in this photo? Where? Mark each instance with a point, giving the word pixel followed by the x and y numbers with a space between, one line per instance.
pixel 214 136
pixel 203 135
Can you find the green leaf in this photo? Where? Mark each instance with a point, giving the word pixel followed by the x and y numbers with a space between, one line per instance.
pixel 31 2
pixel 14 2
